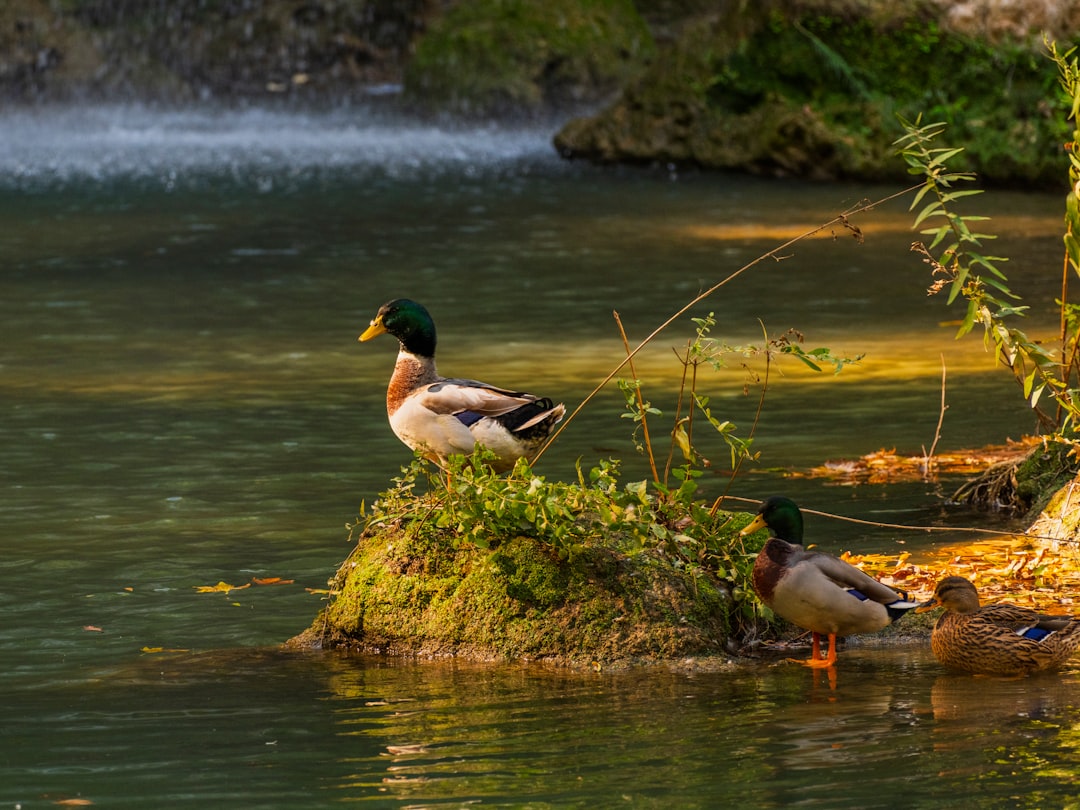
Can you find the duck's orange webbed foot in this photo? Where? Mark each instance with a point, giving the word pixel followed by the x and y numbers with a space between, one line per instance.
pixel 816 661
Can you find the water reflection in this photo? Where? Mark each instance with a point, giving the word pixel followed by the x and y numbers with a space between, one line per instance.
pixel 767 736
pixel 270 729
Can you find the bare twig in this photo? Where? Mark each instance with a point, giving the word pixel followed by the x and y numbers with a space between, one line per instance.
pixel 840 219
pixel 928 458
pixel 908 528
pixel 640 400
pixel 685 361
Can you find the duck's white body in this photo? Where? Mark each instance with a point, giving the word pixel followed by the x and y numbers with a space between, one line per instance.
pixel 439 416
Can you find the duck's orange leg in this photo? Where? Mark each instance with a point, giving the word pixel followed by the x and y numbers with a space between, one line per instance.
pixel 815 660
pixel 829 660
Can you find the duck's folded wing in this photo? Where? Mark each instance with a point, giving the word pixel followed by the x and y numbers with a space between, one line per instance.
pixel 458 396
pixel 849 576
pixel 1022 620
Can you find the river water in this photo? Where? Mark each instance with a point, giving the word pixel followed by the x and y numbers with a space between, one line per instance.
pixel 186 404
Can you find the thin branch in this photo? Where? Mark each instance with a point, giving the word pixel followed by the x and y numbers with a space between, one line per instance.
pixel 840 219
pixel 685 361
pixel 640 400
pixel 928 458
pixel 908 528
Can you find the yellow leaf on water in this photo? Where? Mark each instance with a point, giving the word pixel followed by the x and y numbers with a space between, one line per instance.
pixel 272 581
pixel 155 650
pixel 221 587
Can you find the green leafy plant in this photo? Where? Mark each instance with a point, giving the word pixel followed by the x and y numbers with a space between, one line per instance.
pixel 954 250
pixel 693 405
pixel 477 507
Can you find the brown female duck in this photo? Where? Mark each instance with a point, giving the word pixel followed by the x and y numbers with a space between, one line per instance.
pixel 996 639
pixel 817 591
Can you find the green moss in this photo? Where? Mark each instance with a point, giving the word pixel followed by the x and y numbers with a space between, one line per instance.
pixel 493 56
pixel 403 594
pixel 1043 473
pixel 818 93
pixel 517 567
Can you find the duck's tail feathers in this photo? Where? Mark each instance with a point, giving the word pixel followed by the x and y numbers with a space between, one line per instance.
pixel 899 608
pixel 543 411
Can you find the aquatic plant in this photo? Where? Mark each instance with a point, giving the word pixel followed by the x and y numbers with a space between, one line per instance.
pixel 513 567
pixel 708 352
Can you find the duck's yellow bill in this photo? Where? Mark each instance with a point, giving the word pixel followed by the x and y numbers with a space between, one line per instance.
pixel 374 330
pixel 757 523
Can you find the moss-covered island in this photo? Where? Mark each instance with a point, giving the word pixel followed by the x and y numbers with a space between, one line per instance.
pixel 520 568
pixel 401 595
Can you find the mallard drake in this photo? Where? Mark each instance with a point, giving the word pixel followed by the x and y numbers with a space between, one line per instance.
pixel 996 639
pixel 439 416
pixel 817 591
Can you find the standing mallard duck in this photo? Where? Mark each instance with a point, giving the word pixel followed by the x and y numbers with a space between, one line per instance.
pixel 441 417
pixel 817 591
pixel 996 639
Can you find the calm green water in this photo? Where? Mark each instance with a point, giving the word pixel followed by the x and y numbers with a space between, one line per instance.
pixel 185 403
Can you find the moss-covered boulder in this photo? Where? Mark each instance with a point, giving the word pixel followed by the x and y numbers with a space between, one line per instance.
pixel 518 567
pixel 404 593
pixel 814 89
pixel 527 56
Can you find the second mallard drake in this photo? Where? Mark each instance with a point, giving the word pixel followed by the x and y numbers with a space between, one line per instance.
pixel 817 591
pixel 996 639
pixel 441 416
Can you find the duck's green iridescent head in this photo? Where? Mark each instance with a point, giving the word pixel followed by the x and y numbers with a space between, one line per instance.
pixel 783 518
pixel 409 322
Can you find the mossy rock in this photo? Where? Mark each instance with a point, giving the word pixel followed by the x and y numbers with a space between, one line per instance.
pixel 816 92
pixel 404 594
pixel 527 56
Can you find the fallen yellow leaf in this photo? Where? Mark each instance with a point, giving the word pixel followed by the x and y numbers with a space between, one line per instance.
pixel 221 587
